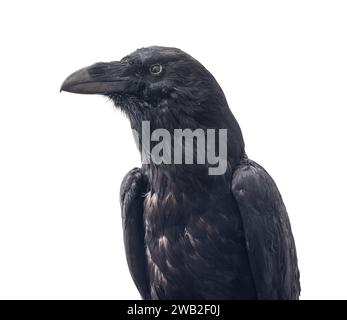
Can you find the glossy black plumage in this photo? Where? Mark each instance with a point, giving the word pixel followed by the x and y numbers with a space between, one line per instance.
pixel 189 235
pixel 270 244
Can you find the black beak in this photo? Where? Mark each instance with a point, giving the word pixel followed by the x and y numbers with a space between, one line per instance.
pixel 100 78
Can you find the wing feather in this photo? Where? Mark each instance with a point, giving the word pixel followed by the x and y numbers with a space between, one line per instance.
pixel 132 192
pixel 269 239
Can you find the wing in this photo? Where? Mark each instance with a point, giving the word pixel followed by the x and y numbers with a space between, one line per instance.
pixel 132 193
pixel 270 243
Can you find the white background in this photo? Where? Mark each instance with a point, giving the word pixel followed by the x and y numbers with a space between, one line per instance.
pixel 283 67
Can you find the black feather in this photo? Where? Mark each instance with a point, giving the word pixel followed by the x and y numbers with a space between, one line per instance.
pixel 189 235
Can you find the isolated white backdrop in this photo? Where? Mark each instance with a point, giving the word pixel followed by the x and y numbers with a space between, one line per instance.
pixel 283 68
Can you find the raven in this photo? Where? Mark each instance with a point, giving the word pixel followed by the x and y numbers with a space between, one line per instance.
pixel 189 234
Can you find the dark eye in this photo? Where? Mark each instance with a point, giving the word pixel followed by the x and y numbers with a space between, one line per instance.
pixel 156 69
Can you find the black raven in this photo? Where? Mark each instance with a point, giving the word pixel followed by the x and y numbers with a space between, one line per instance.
pixel 189 234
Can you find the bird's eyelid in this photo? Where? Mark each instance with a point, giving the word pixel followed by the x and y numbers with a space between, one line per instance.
pixel 156 68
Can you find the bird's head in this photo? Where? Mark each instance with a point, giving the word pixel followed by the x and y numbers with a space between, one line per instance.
pixel 159 84
pixel 165 87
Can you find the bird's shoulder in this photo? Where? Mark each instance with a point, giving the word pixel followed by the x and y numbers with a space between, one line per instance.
pixel 251 179
pixel 133 185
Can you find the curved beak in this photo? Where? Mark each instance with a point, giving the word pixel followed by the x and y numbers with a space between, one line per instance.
pixel 100 78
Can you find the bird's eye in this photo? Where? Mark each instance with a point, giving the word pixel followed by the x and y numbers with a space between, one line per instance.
pixel 156 69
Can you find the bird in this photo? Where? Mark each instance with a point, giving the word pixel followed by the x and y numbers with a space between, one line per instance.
pixel 189 234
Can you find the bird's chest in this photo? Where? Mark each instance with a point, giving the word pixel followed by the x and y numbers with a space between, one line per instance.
pixel 184 236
